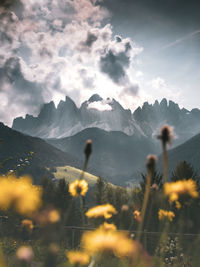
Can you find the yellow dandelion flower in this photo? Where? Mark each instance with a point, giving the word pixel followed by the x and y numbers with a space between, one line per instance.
pixel 108 227
pixel 27 224
pixel 19 193
pixel 105 211
pixel 99 241
pixel 164 214
pixel 78 188
pixel 78 257
pixel 174 190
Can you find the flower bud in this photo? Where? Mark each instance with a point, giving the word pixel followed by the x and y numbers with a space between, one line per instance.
pixel 151 162
pixel 88 148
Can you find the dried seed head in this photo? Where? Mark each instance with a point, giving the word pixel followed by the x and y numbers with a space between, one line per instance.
pixel 151 162
pixel 166 134
pixel 124 208
pixel 25 254
pixel 88 148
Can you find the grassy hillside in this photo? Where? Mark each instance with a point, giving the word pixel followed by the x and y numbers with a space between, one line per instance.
pixel 71 173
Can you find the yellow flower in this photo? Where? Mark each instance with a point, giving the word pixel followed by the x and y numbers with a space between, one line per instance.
pixel 108 227
pixel 78 257
pixel 19 193
pixel 78 188
pixel 99 241
pixel 105 211
pixel 27 224
pixel 180 188
pixel 162 214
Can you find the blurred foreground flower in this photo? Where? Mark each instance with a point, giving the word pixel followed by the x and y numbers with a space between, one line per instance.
pixel 25 254
pixel 175 190
pixel 99 241
pixel 105 211
pixel 78 257
pixel 19 193
pixel 78 188
pixel 164 214
pixel 137 215
pixel 108 227
pixel 47 216
pixel 27 224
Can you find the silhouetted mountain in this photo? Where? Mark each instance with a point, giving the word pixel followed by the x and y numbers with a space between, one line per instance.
pixel 115 155
pixel 16 148
pixel 67 119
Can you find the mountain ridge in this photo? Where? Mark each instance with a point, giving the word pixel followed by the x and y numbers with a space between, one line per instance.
pixel 67 119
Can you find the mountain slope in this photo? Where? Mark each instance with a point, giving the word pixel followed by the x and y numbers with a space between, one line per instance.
pixel 17 147
pixel 188 151
pixel 115 155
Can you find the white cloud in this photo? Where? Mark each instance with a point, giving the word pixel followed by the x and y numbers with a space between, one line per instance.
pixel 100 105
pixel 59 45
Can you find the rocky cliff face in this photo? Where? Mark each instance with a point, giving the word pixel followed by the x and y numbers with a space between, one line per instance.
pixel 67 119
pixel 151 118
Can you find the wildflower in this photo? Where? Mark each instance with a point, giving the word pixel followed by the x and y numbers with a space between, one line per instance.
pixel 19 193
pixel 78 188
pixel 151 162
pixel 105 211
pixel 47 216
pixel 162 214
pixel 78 257
pixel 99 241
pixel 166 134
pixel 124 208
pixel 25 254
pixel 137 215
pixel 108 227
pixel 174 190
pixel 27 224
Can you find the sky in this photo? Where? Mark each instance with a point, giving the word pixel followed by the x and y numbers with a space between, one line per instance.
pixel 130 50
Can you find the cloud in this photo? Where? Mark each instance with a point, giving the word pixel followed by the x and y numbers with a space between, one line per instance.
pixel 159 86
pixel 16 93
pixel 59 47
pixel 100 105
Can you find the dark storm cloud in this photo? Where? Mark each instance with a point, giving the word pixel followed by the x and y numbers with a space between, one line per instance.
pixel 21 91
pixel 88 43
pixel 114 64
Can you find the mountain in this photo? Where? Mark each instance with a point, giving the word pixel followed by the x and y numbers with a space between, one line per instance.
pixel 188 151
pixel 115 155
pixel 67 119
pixel 150 118
pixel 16 153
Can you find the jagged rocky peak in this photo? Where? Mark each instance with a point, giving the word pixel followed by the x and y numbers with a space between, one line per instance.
pixel 68 104
pixel 163 103
pixel 173 105
pixel 95 98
